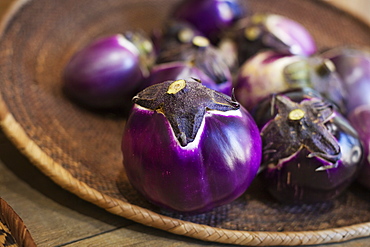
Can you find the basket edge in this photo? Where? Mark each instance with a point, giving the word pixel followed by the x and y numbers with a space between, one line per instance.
pixel 16 225
pixel 13 8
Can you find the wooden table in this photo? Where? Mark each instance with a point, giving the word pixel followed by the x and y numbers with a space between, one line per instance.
pixel 56 217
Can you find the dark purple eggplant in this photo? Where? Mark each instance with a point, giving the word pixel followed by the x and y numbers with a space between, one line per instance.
pixel 173 34
pixel 199 53
pixel 109 71
pixel 188 148
pixel 211 17
pixel 179 70
pixel 311 153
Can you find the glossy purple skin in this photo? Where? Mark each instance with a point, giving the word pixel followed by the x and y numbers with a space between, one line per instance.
pixel 214 169
pixel 360 120
pixel 211 17
pixel 295 178
pixel 353 66
pixel 104 74
pixel 180 70
pixel 275 32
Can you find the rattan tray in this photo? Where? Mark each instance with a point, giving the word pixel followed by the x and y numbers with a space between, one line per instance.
pixel 13 232
pixel 80 150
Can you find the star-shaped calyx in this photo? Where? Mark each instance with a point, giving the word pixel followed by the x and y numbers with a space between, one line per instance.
pixel 297 126
pixel 184 104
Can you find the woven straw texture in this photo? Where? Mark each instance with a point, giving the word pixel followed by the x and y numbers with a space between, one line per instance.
pixel 12 230
pixel 80 150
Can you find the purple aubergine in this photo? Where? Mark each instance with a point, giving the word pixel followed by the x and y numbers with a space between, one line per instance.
pixel 108 72
pixel 211 17
pixel 173 34
pixel 269 72
pixel 203 55
pixel 188 148
pixel 260 76
pixel 353 66
pixel 274 32
pixel 311 153
pixel 178 70
pixel 360 120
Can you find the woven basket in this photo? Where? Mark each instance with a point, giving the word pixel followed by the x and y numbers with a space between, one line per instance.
pixel 80 150
pixel 13 232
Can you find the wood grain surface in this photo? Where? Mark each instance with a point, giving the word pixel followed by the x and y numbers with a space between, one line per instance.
pixel 56 217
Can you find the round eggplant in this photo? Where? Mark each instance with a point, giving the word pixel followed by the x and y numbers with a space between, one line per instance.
pixel 204 56
pixel 260 76
pixel 188 148
pixel 178 70
pixel 311 153
pixel 353 66
pixel 108 72
pixel 173 34
pixel 270 72
pixel 273 32
pixel 211 17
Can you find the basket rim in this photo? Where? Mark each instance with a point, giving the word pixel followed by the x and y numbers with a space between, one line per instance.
pixel 15 225
pixel 55 171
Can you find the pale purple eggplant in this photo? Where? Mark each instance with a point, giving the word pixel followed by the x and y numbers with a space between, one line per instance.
pixel 262 31
pixel 260 76
pixel 353 66
pixel 269 72
pixel 311 153
pixel 188 148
